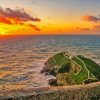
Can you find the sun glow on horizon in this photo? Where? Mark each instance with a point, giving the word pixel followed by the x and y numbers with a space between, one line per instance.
pixel 49 17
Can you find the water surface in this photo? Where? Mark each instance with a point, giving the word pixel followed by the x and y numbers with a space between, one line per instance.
pixel 22 57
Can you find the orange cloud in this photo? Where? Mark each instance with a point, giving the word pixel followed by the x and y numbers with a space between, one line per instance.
pixel 18 18
pixel 90 18
pixel 85 29
pixel 5 20
pixel 19 15
pixel 82 29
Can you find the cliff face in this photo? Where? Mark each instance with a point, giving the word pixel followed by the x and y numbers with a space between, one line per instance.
pixel 79 92
pixel 71 70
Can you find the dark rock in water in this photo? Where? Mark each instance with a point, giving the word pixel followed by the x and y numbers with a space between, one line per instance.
pixel 46 73
pixel 44 70
pixel 53 82
pixel 70 70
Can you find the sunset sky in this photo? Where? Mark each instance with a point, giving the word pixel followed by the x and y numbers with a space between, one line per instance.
pixel 49 17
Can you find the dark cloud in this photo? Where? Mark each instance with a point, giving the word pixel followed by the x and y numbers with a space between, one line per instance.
pixel 91 18
pixel 85 29
pixel 17 15
pixel 34 27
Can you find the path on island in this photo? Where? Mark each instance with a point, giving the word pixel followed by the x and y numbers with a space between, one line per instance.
pixel 70 57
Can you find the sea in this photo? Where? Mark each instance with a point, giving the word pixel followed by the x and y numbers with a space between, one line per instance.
pixel 23 57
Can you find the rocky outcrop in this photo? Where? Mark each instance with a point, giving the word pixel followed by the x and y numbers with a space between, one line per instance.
pixel 53 82
pixel 77 92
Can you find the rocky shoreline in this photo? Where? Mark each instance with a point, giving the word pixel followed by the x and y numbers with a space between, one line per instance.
pixel 75 92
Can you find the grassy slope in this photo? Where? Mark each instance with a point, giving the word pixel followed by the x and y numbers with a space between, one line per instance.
pixel 83 74
pixel 57 61
pixel 92 66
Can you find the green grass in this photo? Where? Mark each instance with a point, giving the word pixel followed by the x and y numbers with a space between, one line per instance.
pixel 59 59
pixel 92 66
pixel 57 63
pixel 82 75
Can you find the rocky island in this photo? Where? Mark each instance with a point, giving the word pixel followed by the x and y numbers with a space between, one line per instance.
pixel 71 70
